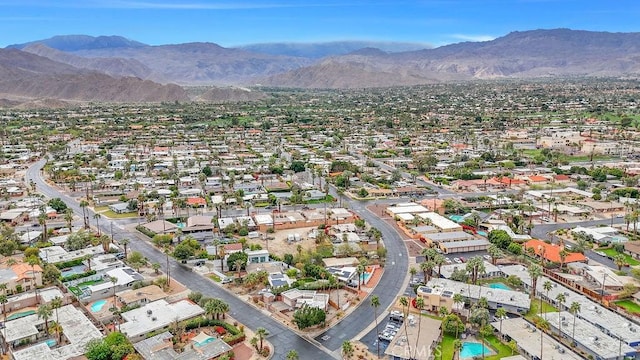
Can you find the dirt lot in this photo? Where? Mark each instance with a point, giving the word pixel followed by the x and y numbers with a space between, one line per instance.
pixel 280 246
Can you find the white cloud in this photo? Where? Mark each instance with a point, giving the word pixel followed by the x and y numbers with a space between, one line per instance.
pixel 467 37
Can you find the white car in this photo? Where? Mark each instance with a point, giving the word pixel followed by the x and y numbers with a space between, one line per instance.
pixel 457 260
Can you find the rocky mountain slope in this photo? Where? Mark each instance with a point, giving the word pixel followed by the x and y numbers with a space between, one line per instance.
pixel 528 54
pixel 25 77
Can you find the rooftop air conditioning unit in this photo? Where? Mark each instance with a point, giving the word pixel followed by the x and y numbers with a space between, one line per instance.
pixel 153 318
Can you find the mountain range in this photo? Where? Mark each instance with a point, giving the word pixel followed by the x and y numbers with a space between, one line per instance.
pixel 113 68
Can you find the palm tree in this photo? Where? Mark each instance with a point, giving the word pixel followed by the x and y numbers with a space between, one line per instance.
pixel 33 261
pixel 156 267
pixel 114 281
pixel 439 260
pixel 210 308
pixel 42 220
pixel 44 312
pixel 405 310
pixel 485 331
pixel 261 333
pixel 125 243
pixel 458 298
pixel 237 266
pixel 375 303
pixel 347 349
pixel 293 355
pixel 68 217
pixel 561 298
pixel 563 256
pixel 55 304
pixel 500 314
pixel 360 271
pixel 83 206
pixel 547 286
pixel 620 260
pixel 457 345
pixel 427 269
pixel 495 252
pixel 535 271
pixel 97 216
pixel 574 309
pixel 419 305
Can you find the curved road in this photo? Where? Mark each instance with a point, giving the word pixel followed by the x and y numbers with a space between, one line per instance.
pixel 282 338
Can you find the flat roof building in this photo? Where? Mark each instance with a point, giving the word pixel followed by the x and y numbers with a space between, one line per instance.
pixel 437 289
pixel 589 338
pixel 201 347
pixel 528 339
pixel 155 316
pixel 76 327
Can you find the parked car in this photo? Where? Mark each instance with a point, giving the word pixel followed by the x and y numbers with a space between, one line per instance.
pixel 457 260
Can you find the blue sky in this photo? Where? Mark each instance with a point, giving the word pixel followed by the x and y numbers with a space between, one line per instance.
pixel 237 22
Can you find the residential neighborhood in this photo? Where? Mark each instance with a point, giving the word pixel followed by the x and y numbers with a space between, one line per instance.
pixel 242 231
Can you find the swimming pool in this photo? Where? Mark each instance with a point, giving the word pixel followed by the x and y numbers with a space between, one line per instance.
pixel 472 349
pixel 51 342
pixel 456 218
pixel 482 233
pixel 20 314
pixel 499 285
pixel 204 342
pixel 97 306
pixel 364 277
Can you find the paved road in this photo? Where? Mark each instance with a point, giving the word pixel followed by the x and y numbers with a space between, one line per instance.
pixel 390 285
pixel 282 338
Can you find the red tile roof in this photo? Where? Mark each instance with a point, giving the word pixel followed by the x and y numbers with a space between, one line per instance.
pixel 552 252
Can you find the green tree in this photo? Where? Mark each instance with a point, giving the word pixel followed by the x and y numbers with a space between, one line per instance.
pixel 44 312
pixel 535 271
pixel 114 346
pixel 347 349
pixel 308 316
pixel 293 355
pixel 375 304
pixel 231 260
pixel 574 309
pixel 261 333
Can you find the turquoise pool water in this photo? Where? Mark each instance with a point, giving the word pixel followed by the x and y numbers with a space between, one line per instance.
pixel 181 225
pixel 97 306
pixel 482 233
pixel 20 314
pixel 364 277
pixel 205 342
pixel 51 342
pixel 456 218
pixel 471 349
pixel 499 285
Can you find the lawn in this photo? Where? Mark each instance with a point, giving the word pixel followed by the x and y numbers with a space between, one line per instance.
pixel 535 309
pixel 446 348
pixel 114 215
pixel 76 289
pixel 612 252
pixel 629 305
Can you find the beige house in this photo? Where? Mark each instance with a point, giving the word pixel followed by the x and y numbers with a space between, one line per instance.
pixel 20 277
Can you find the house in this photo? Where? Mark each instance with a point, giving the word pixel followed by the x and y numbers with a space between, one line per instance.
pixel 76 327
pixel 257 256
pixel 155 316
pixel 121 208
pixel 124 279
pixel 139 297
pixel 201 347
pixel 295 298
pixel 438 293
pixel 551 252
pixel 20 277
